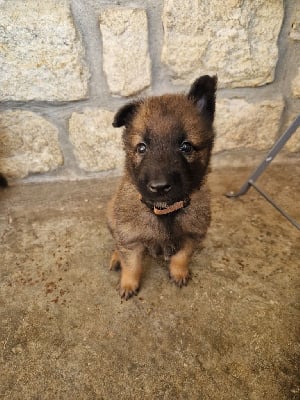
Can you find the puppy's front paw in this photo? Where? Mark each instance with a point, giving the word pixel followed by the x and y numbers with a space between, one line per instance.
pixel 129 285
pixel 127 292
pixel 179 271
pixel 179 265
pixel 180 278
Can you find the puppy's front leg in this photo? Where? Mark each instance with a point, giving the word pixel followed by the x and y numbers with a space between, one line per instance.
pixel 131 271
pixel 179 264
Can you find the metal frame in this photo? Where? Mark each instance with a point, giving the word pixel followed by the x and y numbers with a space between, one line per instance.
pixel 263 165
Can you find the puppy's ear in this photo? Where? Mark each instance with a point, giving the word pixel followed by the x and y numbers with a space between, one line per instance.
pixel 125 114
pixel 203 94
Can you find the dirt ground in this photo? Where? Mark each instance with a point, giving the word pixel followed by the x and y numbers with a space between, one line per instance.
pixel 232 333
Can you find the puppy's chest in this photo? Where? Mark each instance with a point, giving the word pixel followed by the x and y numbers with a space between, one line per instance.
pixel 164 237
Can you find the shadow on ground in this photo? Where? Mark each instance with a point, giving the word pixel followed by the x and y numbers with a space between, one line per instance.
pixel 231 334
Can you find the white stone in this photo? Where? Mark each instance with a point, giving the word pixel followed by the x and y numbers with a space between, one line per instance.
pixel 97 145
pixel 41 54
pixel 29 144
pixel 240 124
pixel 126 59
pixel 235 39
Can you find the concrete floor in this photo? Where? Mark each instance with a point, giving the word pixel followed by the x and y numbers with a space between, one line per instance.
pixel 233 333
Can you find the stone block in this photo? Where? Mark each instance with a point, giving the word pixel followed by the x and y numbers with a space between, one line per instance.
pixel 296 85
pixel 28 144
pixel 240 124
pixel 236 39
pixel 41 53
pixel 126 59
pixel 97 145
pixel 295 26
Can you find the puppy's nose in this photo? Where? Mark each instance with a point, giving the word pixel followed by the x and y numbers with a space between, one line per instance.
pixel 159 186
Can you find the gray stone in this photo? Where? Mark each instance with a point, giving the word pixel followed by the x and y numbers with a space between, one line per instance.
pixel 126 59
pixel 41 57
pixel 235 39
pixel 29 144
pixel 97 145
pixel 240 124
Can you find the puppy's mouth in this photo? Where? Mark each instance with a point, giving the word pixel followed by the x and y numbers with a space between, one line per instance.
pixel 161 205
pixel 163 208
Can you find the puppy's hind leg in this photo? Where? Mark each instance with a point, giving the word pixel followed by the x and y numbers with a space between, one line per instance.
pixel 115 263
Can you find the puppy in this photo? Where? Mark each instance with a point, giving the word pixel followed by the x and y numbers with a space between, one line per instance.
pixel 162 204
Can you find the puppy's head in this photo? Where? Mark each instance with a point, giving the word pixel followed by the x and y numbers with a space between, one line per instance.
pixel 168 141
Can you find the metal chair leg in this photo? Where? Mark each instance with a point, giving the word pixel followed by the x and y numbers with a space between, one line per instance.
pixel 263 165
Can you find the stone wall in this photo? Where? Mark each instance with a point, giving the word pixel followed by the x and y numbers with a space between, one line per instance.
pixel 67 66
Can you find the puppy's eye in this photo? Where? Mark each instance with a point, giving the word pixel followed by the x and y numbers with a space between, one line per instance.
pixel 186 147
pixel 141 148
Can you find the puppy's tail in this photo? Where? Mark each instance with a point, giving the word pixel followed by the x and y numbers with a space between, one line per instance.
pixel 3 181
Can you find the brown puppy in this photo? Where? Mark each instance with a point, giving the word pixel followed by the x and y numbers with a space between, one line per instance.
pixel 162 203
